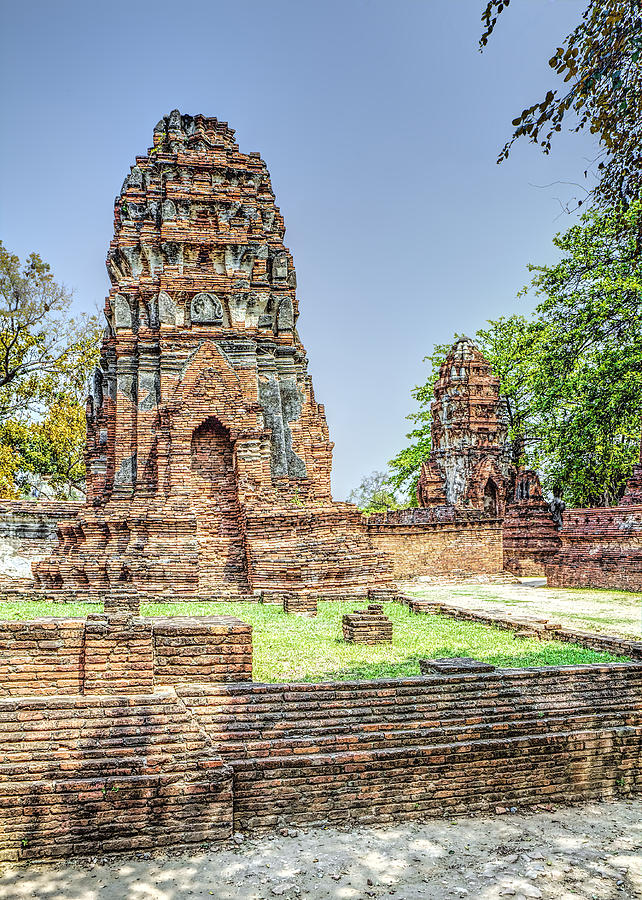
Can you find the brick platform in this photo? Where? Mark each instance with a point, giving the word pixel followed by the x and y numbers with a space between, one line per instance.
pixel 367 626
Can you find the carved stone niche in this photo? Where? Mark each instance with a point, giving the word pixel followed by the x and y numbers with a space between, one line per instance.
pixel 206 309
pixel 280 267
pixel 285 318
pixel 166 309
pixel 122 312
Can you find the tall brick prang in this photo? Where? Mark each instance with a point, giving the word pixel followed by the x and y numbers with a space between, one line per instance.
pixel 208 456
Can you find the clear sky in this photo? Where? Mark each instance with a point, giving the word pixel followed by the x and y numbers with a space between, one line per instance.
pixel 380 124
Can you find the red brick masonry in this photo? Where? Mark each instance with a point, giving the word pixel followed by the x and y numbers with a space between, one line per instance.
pixel 120 654
pixel 600 548
pixel 376 751
pixel 94 774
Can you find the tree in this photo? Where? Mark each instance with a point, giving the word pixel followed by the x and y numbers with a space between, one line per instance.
pixel 45 359
pixel 373 494
pixel 600 63
pixel 572 373
pixel 585 373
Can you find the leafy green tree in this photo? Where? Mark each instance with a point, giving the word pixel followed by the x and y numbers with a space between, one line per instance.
pixel 600 65
pixel 373 494
pixel 585 374
pixel 571 373
pixel 45 359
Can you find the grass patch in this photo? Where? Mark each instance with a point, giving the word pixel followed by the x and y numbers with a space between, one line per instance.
pixel 293 648
pixel 39 609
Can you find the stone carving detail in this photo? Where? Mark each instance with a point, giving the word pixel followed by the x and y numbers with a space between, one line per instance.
pixel 122 312
pixel 206 309
pixel 285 318
pixel 166 309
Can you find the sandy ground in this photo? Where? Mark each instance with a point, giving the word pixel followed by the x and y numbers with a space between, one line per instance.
pixel 591 851
pixel 612 612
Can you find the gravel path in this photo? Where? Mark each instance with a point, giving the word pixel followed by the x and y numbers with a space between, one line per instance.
pixel 591 851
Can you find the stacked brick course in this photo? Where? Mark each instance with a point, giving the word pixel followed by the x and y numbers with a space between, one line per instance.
pixel 207 648
pixel 41 656
pixel 438 541
pixel 367 626
pixel 530 538
pixel 207 454
pixel 599 548
pixel 383 750
pixel 120 653
pixel 89 775
pixel 300 604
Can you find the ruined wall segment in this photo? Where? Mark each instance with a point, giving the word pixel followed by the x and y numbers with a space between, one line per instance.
pixel 469 466
pixel 202 421
pixel 530 537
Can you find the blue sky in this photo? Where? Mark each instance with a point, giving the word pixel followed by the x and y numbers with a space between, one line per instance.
pixel 380 123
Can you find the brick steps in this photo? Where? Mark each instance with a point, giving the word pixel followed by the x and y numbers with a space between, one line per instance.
pixel 94 775
pixel 380 750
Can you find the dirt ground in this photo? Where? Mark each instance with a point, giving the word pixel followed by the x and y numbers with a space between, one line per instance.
pixel 613 612
pixel 590 851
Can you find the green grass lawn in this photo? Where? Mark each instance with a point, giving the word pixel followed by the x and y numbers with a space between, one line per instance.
pixel 293 648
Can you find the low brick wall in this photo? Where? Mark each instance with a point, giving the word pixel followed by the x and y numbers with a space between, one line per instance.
pixel 600 548
pixel 531 626
pixel 41 656
pixel 436 542
pixel 92 775
pixel 209 648
pixel 297 604
pixel 107 654
pixel 377 751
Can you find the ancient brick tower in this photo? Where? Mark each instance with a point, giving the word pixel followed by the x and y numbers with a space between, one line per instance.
pixel 208 458
pixel 469 466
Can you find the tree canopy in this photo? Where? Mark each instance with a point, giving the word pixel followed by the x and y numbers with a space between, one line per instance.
pixel 600 65
pixel 571 372
pixel 374 494
pixel 45 359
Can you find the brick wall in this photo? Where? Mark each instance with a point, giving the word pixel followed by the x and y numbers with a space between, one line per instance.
pixel 207 648
pixel 376 751
pixel 90 775
pixel 600 548
pixel 120 654
pixel 429 541
pixel 41 656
